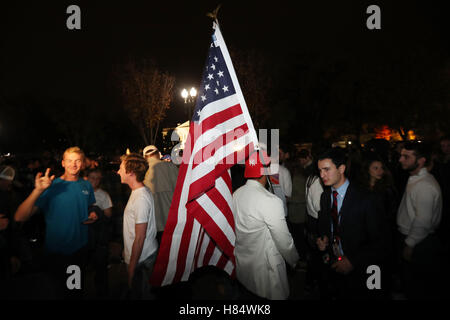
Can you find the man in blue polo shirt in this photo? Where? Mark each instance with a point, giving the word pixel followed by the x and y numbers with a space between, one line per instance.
pixel 65 203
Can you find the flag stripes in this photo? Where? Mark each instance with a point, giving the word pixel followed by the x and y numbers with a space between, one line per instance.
pixel 200 226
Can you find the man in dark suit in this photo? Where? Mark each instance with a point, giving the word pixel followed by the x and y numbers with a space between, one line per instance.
pixel 351 229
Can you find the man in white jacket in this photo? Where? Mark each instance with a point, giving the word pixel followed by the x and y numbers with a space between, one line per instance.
pixel 263 241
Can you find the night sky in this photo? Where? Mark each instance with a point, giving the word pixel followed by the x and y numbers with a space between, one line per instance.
pixel 42 61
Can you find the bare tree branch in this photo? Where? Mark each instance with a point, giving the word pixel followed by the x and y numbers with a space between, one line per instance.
pixel 146 95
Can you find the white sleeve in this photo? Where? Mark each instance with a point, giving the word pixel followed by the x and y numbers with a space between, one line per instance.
pixel 143 209
pixel 108 203
pixel 276 222
pixel 424 202
pixel 316 192
pixel 286 181
pixel 313 198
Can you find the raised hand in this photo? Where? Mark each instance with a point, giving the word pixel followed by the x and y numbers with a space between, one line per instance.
pixel 43 182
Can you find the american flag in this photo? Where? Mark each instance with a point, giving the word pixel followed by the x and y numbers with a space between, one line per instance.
pixel 200 226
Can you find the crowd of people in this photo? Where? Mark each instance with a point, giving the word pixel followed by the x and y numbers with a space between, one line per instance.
pixel 378 206
pixel 361 223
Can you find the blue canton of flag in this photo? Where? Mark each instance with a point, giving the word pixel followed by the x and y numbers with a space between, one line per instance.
pixel 216 80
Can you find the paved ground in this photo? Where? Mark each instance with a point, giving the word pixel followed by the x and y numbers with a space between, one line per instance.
pixel 203 286
pixel 206 284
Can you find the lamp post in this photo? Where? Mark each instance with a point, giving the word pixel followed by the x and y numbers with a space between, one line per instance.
pixel 189 98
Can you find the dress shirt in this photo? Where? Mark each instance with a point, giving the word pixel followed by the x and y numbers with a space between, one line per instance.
pixel 420 210
pixel 342 190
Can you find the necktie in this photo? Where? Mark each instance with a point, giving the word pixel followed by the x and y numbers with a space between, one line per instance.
pixel 334 214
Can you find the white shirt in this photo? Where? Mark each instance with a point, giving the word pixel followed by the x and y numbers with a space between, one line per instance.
pixel 282 185
pixel 140 209
pixel 313 194
pixel 420 210
pixel 263 242
pixel 341 191
pixel 102 199
pixel 285 180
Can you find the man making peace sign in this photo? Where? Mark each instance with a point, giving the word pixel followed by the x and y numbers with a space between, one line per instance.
pixel 65 202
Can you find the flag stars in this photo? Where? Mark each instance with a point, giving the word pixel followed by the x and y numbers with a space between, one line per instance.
pixel 216 91
pixel 210 76
pixel 213 67
pixel 203 98
pixel 225 88
pixel 215 59
pixel 220 74
pixel 207 87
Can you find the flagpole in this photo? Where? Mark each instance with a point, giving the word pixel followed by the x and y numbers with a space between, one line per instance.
pixel 223 114
pixel 213 15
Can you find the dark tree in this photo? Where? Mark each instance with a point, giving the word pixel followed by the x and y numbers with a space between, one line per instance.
pixel 146 95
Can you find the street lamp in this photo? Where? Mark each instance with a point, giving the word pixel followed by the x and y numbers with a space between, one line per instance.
pixel 184 94
pixel 193 92
pixel 189 98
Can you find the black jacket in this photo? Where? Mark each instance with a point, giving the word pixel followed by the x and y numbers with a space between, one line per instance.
pixel 362 229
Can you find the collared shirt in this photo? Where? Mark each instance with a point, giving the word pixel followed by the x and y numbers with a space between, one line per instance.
pixel 420 210
pixel 342 190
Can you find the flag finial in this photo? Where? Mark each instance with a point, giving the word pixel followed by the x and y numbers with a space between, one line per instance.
pixel 213 14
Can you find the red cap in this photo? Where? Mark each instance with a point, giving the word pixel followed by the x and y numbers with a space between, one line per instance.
pixel 254 168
